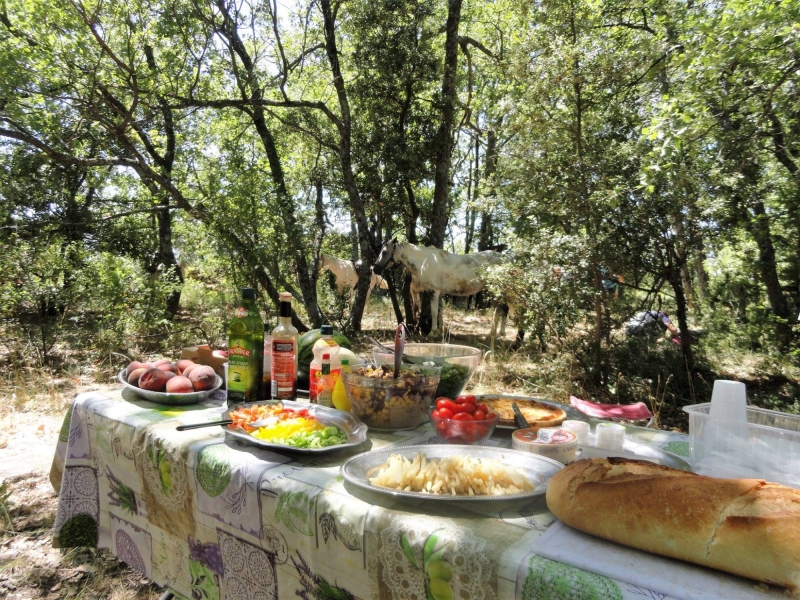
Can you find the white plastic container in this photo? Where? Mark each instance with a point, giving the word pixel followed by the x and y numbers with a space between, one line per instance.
pixel 765 446
pixel 610 436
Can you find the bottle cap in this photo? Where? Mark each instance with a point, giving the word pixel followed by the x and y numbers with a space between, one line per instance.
pixel 248 293
pixel 286 304
pixel 326 330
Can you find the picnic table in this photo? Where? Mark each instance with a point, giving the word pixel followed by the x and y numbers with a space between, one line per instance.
pixel 210 517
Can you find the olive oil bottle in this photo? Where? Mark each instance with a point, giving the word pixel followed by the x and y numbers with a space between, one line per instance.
pixel 245 351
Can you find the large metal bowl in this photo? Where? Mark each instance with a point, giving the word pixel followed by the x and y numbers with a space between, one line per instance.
pixel 458 363
pixel 170 399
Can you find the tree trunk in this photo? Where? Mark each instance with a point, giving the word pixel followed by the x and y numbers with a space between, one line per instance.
pixel 345 158
pixel 760 229
pixel 250 83
pixel 444 135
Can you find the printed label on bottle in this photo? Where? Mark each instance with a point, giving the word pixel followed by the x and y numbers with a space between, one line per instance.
pixel 283 369
pixel 242 384
pixel 314 374
pixel 325 398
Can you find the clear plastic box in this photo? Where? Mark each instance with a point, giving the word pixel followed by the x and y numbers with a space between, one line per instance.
pixel 767 446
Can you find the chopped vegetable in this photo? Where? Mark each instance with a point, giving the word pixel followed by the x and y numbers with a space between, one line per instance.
pixel 289 427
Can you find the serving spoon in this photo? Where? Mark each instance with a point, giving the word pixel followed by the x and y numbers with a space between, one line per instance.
pixel 399 346
pixel 408 358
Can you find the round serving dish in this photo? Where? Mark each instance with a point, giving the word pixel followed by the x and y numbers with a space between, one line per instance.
pixel 170 399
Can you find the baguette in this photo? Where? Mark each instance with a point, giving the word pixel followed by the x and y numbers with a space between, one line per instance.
pixel 747 527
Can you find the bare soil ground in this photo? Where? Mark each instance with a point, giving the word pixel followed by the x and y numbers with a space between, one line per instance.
pixel 29 566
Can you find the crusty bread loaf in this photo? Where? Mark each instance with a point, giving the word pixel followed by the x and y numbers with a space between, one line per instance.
pixel 747 527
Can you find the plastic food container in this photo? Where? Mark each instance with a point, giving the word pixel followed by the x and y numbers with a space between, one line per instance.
pixel 463 432
pixel 766 446
pixel 459 364
pixel 551 442
pixel 383 402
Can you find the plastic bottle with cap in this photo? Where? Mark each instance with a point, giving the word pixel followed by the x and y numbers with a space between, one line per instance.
pixel 325 383
pixel 340 399
pixel 324 345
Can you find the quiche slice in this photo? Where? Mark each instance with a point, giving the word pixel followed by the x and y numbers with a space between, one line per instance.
pixel 536 413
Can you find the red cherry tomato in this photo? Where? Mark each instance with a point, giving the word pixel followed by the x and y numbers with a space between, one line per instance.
pixel 482 407
pixel 466 407
pixel 446 403
pixel 479 415
pixel 490 416
pixel 435 413
pixel 444 413
pixel 462 416
pixel 468 398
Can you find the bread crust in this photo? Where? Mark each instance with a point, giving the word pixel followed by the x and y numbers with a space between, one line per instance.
pixel 747 527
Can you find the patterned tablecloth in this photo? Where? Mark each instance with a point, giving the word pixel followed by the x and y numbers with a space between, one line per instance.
pixel 212 518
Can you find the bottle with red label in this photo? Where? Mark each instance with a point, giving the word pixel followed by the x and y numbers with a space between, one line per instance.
pixel 324 345
pixel 284 352
pixel 245 350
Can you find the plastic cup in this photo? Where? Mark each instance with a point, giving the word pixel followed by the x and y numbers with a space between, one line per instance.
pixel 581 429
pixel 729 400
pixel 610 436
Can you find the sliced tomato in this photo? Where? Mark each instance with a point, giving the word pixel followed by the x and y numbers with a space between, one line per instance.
pixel 462 416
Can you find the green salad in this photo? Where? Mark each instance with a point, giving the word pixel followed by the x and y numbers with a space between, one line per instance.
pixel 452 380
pixel 323 438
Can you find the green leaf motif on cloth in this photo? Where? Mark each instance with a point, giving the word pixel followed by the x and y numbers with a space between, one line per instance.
pixel 551 580
pixel 679 448
pixel 79 531
pixel 213 469
pixel 204 581
pixel 294 511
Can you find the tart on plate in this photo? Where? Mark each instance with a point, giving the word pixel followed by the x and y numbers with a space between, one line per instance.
pixel 536 413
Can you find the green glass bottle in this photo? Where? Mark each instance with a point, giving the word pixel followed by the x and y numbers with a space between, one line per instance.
pixel 245 351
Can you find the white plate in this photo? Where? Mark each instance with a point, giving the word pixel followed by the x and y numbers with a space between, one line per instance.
pixel 538 469
pixel 170 399
pixel 355 429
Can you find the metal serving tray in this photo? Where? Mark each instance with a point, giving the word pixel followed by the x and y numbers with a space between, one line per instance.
pixel 170 399
pixel 538 469
pixel 349 423
pixel 572 413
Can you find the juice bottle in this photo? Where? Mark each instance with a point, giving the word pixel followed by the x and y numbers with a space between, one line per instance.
pixel 340 399
pixel 325 344
pixel 325 383
pixel 266 377
pixel 284 352
pixel 245 350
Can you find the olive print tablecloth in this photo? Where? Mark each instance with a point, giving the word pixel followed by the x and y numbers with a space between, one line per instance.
pixel 212 518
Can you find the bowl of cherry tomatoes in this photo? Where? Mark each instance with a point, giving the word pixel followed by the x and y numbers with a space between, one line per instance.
pixel 463 420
